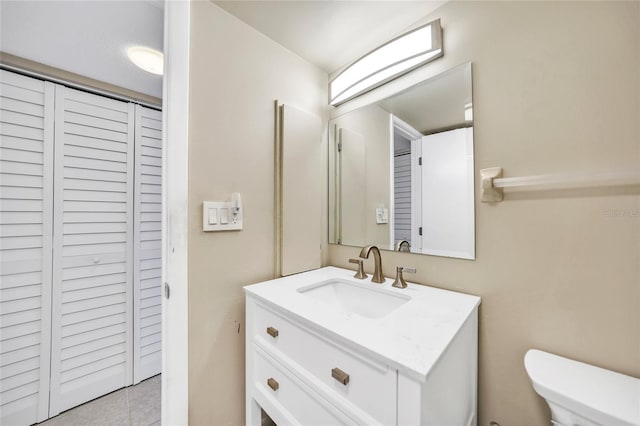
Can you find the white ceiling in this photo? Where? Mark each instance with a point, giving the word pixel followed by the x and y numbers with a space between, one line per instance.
pixel 330 34
pixel 436 104
pixel 86 37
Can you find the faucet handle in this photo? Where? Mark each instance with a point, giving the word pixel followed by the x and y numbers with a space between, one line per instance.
pixel 400 282
pixel 360 274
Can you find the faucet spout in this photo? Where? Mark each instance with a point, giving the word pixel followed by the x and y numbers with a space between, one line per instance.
pixel 378 276
pixel 404 245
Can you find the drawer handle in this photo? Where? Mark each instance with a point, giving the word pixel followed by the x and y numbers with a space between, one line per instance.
pixel 273 384
pixel 340 376
pixel 273 332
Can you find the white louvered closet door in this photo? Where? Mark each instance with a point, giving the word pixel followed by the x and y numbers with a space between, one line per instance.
pixel 93 249
pixel 147 324
pixel 26 158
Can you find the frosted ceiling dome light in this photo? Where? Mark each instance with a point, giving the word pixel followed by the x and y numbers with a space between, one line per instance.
pixel 389 61
pixel 147 58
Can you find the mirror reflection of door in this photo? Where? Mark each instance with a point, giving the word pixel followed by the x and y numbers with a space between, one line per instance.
pixel 403 135
pixel 443 222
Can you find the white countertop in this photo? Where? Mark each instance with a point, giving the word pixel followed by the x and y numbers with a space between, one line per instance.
pixel 412 338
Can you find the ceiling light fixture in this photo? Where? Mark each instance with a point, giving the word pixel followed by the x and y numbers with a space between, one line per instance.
pixel 146 58
pixel 391 60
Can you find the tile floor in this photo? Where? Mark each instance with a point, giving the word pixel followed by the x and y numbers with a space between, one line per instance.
pixel 137 405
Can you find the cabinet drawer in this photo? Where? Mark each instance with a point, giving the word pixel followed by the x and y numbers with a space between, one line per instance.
pixel 288 401
pixel 367 384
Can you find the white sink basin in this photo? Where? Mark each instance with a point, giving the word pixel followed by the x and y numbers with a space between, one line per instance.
pixel 369 301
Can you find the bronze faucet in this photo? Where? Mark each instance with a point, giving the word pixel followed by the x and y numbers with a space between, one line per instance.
pixel 378 276
pixel 400 282
pixel 360 274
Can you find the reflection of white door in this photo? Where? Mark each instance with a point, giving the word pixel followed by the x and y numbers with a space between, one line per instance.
pixel 443 195
pixel 352 188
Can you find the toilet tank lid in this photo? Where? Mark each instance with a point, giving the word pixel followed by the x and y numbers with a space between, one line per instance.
pixel 601 395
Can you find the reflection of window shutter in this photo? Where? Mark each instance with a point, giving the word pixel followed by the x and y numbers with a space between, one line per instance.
pixel 402 197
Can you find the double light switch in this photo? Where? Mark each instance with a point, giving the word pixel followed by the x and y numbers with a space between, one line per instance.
pixel 222 215
pixel 213 213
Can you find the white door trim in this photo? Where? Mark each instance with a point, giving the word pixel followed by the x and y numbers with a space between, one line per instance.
pixel 175 343
pixel 416 194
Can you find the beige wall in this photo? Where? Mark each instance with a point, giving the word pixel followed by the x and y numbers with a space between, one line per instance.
pixel 372 123
pixel 556 88
pixel 236 74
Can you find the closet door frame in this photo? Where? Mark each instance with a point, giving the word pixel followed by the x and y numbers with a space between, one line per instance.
pixel 175 195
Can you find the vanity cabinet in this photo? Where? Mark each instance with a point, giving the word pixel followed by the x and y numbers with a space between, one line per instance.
pixel 300 370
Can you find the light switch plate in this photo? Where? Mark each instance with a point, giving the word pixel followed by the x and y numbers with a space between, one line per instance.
pixel 213 215
pixel 382 215
pixel 223 213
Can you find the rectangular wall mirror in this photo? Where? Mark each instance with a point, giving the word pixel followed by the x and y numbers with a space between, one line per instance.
pixel 401 170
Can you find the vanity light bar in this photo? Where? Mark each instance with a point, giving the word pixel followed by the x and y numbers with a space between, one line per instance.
pixel 391 60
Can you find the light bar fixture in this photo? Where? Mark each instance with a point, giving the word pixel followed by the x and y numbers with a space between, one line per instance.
pixel 391 60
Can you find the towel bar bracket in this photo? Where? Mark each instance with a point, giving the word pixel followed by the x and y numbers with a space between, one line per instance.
pixel 490 194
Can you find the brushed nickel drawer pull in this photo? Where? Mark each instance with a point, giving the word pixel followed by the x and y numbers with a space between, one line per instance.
pixel 340 376
pixel 273 384
pixel 273 332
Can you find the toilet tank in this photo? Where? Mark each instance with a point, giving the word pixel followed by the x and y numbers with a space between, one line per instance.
pixel 582 394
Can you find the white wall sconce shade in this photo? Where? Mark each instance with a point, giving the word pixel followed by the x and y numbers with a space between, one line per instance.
pixel 147 58
pixel 391 60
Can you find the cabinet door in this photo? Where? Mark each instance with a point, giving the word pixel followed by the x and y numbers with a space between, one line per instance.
pixel 93 248
pixel 26 159
pixel 300 209
pixel 147 299
pixel 352 181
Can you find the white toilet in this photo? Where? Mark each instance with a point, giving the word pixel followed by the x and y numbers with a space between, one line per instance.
pixel 580 394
